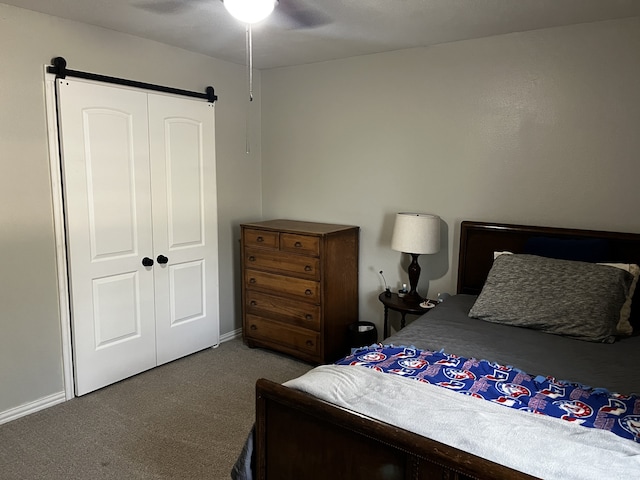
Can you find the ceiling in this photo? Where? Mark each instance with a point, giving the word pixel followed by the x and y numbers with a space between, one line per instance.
pixel 306 31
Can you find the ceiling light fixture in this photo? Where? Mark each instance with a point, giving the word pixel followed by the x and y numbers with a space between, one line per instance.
pixel 250 11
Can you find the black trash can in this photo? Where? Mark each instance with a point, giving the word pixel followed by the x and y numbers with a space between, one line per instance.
pixel 362 334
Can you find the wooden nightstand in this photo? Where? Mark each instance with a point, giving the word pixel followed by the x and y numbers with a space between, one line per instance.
pixel 405 306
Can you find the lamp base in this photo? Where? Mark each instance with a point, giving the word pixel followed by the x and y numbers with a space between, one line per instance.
pixel 414 276
pixel 413 297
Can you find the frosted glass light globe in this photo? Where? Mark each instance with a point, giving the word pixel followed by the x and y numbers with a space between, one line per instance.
pixel 250 11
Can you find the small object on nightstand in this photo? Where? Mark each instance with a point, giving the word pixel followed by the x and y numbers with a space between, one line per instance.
pixel 387 290
pixel 427 304
pixel 405 306
pixel 442 297
pixel 403 291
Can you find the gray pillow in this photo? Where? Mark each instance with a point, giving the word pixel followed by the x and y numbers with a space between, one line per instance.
pixel 574 299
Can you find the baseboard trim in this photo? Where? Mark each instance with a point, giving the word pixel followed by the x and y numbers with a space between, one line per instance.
pixel 231 335
pixel 32 407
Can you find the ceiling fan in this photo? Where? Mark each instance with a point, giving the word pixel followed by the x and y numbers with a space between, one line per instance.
pixel 297 14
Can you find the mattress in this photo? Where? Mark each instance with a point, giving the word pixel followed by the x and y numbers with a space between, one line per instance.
pixel 448 327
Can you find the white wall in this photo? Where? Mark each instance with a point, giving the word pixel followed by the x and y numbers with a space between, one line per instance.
pixel 537 128
pixel 30 345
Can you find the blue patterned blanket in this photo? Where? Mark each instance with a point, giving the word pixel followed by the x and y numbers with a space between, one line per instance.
pixel 508 386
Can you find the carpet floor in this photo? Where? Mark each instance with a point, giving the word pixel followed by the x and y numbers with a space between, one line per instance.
pixel 184 420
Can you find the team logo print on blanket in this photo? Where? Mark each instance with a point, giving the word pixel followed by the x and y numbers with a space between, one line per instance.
pixel 508 386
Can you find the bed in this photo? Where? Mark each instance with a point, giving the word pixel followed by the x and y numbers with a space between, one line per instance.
pixel 357 423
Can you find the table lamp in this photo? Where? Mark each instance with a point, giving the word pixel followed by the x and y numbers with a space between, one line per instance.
pixel 416 234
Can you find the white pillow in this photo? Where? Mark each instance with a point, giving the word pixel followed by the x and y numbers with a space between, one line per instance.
pixel 624 326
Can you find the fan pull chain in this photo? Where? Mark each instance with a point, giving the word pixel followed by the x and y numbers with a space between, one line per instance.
pixel 249 61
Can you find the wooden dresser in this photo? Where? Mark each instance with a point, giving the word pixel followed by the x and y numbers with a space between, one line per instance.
pixel 299 287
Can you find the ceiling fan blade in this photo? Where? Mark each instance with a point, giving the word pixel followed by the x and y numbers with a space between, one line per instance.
pixel 301 15
pixel 167 7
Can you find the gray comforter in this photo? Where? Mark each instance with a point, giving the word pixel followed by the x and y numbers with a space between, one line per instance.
pixel 613 366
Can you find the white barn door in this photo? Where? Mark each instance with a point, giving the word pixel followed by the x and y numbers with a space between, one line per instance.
pixel 108 219
pixel 124 297
pixel 185 226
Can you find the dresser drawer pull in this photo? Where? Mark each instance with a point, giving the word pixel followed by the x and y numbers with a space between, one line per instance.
pixel 253 303
pixel 307 268
pixel 252 258
pixel 253 327
pixel 259 239
pixel 252 280
pixel 309 343
pixel 308 316
pixel 308 292
pixel 298 244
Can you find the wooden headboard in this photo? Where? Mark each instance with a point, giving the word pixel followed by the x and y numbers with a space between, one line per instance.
pixel 478 241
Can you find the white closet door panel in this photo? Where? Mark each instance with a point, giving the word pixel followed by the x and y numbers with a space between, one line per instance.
pixel 116 321
pixel 186 283
pixel 183 172
pixel 104 132
pixel 184 186
pixel 108 162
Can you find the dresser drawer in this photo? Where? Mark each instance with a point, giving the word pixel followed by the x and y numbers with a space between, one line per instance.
pixel 261 238
pixel 285 263
pixel 299 339
pixel 302 244
pixel 303 314
pixel 306 290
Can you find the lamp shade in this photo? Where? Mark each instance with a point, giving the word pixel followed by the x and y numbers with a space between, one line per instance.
pixel 416 233
pixel 250 11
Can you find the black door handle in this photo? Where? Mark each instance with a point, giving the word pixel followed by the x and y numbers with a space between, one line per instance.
pixel 147 262
pixel 162 259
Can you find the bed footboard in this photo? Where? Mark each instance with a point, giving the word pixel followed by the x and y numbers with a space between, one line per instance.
pixel 299 436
